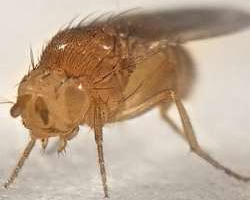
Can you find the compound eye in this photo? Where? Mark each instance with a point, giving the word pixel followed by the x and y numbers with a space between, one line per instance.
pixel 41 109
pixel 19 106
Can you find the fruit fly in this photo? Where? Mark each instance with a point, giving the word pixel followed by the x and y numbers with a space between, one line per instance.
pixel 99 73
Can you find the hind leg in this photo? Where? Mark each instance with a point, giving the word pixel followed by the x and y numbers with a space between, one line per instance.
pixel 187 133
pixel 190 137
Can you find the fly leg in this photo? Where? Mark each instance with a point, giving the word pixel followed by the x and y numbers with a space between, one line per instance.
pixel 20 163
pixel 168 96
pixel 99 143
pixel 190 137
pixel 44 143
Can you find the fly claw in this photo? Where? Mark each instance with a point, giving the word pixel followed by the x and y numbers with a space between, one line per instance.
pixel 62 145
pixel 44 143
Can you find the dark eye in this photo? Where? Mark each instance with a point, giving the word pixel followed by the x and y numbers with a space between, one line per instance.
pixel 41 109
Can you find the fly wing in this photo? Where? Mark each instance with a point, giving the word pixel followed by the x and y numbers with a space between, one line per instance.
pixel 181 25
pixel 158 62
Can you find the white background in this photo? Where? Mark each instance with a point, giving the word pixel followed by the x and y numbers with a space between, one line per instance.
pixel 145 159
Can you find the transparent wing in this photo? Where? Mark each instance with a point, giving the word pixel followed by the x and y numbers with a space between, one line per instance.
pixel 182 24
pixel 154 39
pixel 149 32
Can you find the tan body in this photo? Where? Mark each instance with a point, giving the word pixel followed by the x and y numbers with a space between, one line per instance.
pixel 82 70
pixel 97 75
pixel 86 68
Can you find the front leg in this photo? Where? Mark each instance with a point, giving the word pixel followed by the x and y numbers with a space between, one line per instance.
pixel 20 162
pixel 63 139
